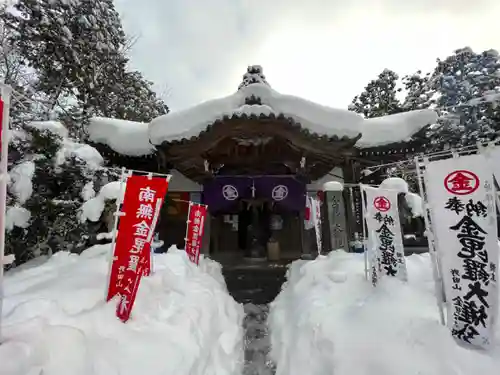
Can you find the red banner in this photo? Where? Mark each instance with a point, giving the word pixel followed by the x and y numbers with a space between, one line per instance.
pixel 195 228
pixel 132 252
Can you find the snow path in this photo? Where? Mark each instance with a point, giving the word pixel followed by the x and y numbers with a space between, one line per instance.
pixel 257 341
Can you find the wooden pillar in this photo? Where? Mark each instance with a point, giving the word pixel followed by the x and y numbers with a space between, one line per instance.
pixel 352 197
pixel 306 249
pixel 348 209
pixel 326 242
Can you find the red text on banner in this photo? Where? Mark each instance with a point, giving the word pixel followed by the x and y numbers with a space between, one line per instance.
pixel 131 254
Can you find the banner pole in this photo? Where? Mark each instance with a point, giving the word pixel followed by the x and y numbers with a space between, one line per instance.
pixel 187 227
pixel 365 232
pixel 5 129
pixel 119 201
pixel 438 282
pixel 159 203
pixel 485 151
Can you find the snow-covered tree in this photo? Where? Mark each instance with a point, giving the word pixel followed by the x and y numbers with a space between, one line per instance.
pixel 379 97
pixel 134 100
pixel 467 88
pixel 50 178
pixel 14 72
pixel 419 94
pixel 75 46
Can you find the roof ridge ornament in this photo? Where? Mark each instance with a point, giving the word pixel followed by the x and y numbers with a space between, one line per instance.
pixel 254 74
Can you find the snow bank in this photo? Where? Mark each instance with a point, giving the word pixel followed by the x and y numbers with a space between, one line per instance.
pixel 92 209
pixel 317 118
pixel 56 321
pixel 330 320
pixel 125 137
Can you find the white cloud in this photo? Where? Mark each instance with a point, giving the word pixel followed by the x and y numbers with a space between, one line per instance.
pixel 323 50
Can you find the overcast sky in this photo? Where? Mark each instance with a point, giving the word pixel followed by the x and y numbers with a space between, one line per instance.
pixel 322 50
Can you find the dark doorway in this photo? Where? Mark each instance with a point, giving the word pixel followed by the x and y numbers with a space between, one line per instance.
pixel 244 221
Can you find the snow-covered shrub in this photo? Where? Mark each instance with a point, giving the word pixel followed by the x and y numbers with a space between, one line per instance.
pixel 50 178
pixel 100 209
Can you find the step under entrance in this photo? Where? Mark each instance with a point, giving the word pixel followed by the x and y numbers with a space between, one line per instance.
pixel 256 283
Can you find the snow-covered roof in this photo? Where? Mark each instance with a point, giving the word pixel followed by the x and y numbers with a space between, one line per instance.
pixel 125 137
pixel 134 139
pixel 380 131
pixel 317 118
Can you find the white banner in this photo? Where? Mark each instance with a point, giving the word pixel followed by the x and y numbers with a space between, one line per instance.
pixel 461 197
pixel 316 219
pixel 385 240
pixel 493 156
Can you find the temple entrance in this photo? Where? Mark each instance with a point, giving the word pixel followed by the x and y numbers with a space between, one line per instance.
pixel 254 227
pixel 255 216
pixel 246 231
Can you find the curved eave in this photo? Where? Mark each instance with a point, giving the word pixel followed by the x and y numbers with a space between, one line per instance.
pixel 147 162
pixel 289 124
pixel 322 152
pixel 396 150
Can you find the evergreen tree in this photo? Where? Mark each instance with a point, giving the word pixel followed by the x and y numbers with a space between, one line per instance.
pixel 418 93
pixel 134 100
pixel 75 46
pixel 467 86
pixel 46 190
pixel 379 97
pixel 13 72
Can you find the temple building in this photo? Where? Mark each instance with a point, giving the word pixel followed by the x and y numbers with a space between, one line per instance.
pixel 252 157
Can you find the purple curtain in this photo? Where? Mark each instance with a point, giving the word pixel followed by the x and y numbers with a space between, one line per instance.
pixel 222 193
pixel 287 192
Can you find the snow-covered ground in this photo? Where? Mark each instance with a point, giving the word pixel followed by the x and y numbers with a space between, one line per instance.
pixel 55 320
pixel 329 320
